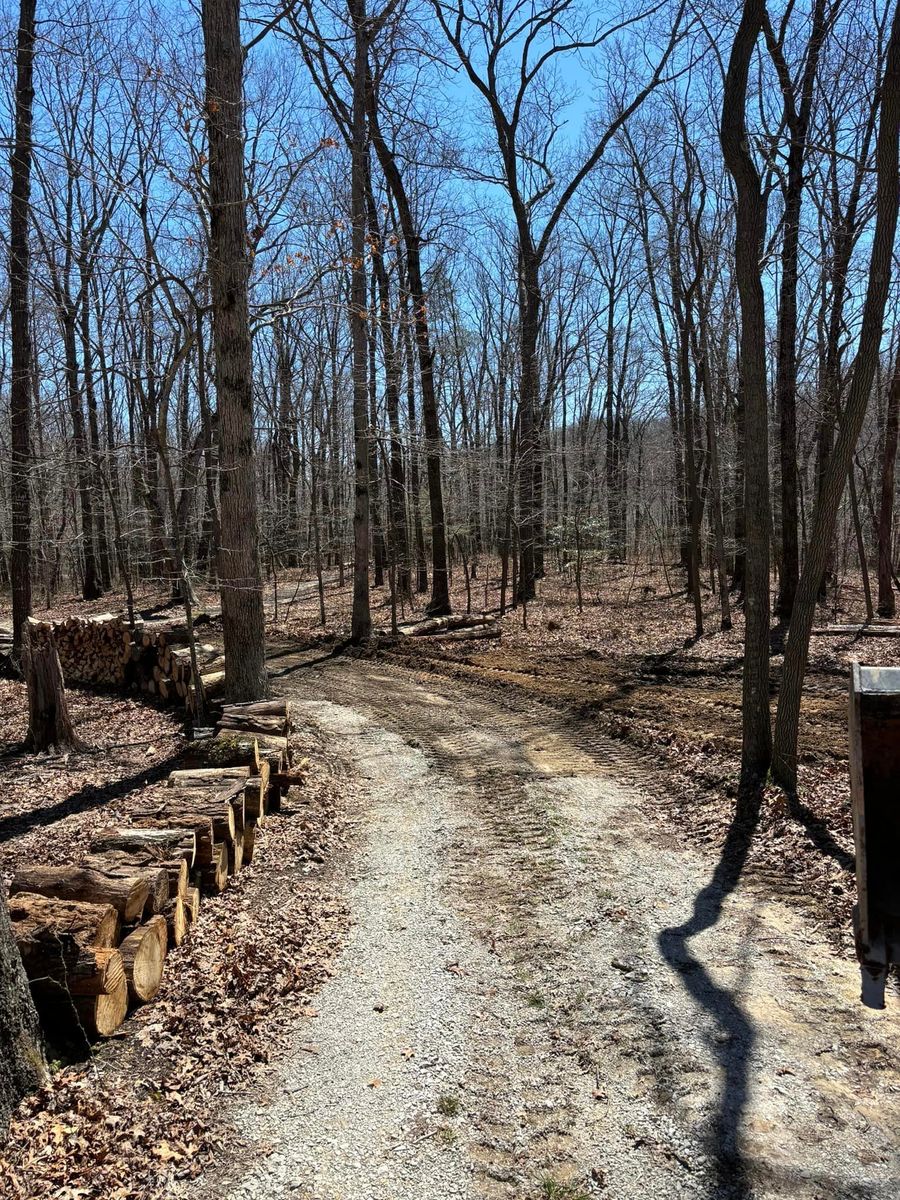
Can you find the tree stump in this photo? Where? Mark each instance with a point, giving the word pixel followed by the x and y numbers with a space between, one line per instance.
pixel 49 723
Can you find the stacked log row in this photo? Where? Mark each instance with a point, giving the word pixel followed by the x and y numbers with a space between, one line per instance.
pixel 152 657
pixel 94 936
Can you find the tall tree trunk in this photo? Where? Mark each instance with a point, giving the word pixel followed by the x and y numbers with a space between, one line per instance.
pixel 439 604
pixel 243 618
pixel 21 1054
pixel 834 479
pixel 20 329
pixel 528 439
pixel 750 225
pixel 361 620
pixel 797 121
pixel 887 604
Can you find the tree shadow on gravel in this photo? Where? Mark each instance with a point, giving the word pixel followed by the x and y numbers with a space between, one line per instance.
pixel 734 1045
pixel 86 798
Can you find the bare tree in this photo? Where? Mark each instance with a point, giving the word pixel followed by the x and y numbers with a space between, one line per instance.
pixel 243 617
pixel 21 1056
pixel 834 480
pixel 750 227
pixel 507 60
pixel 20 327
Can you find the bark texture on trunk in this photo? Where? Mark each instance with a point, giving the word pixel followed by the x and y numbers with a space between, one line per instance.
pixel 834 478
pixel 21 1055
pixel 439 605
pixel 49 723
pixel 243 620
pixel 797 120
pixel 887 603
pixel 20 329
pixel 749 234
pixel 361 619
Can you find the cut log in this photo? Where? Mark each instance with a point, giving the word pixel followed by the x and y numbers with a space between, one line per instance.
pixel 256 797
pixel 206 777
pixel 125 866
pixel 143 955
pixel 176 921
pixel 199 826
pixel 197 803
pixel 253 725
pixel 192 904
pixel 102 1015
pixel 236 855
pixel 260 708
pixel 164 843
pixel 127 894
pixel 471 635
pixel 249 842
pixel 437 625
pixel 229 747
pixel 88 924
pixel 214 878
pixel 83 970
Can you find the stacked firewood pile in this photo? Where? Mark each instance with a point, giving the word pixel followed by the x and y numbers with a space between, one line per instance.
pixel 153 656
pixel 94 936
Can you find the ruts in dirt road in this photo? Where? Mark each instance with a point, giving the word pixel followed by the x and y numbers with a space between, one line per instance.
pixel 544 996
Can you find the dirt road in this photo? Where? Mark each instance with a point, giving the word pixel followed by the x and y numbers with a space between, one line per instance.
pixel 545 996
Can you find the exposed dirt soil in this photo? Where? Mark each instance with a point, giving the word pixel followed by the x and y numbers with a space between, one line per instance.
pixel 544 995
pixel 628 664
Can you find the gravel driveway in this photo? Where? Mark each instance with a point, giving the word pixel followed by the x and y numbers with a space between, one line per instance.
pixel 544 996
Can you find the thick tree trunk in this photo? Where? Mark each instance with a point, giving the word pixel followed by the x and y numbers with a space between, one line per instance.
pixel 797 120
pixel 361 619
pixel 243 618
pixel 887 604
pixel 439 605
pixel 21 1054
pixel 834 478
pixel 49 723
pixel 20 330
pixel 749 233
pixel 528 439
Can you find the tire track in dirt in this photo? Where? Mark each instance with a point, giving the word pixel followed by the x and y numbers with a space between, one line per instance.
pixel 615 1020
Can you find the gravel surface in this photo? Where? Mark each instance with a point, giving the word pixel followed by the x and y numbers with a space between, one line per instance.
pixel 544 998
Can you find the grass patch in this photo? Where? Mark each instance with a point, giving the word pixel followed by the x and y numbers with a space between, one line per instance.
pixel 552 1189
